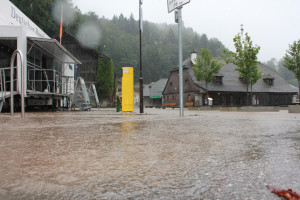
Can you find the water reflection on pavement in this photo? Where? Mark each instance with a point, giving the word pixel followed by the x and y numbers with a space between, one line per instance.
pixel 108 155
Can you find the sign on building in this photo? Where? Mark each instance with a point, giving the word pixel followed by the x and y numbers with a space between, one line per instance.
pixel 10 15
pixel 173 4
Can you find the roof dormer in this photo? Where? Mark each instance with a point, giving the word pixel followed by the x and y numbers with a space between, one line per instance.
pixel 218 78
pixel 268 79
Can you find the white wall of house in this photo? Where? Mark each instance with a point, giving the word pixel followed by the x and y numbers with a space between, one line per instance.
pixel 136 98
pixel 68 82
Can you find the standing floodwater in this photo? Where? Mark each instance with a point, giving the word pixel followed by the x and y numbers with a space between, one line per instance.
pixel 108 155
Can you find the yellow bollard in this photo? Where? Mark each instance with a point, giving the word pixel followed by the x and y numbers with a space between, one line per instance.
pixel 127 89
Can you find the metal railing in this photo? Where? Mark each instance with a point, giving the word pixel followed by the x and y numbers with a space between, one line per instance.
pixel 5 82
pixel 44 80
pixel 15 53
pixel 94 95
pixel 68 85
pixel 49 80
pixel 80 98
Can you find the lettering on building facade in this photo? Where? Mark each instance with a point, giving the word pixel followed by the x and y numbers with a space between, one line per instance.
pixel 25 22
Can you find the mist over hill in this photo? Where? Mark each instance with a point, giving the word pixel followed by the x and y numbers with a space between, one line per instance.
pixel 118 38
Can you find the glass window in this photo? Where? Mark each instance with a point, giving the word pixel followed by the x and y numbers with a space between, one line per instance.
pixel 219 79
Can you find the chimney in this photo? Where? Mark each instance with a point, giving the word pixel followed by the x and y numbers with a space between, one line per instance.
pixel 193 57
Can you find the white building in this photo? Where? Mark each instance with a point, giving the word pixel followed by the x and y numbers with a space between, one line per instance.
pixel 49 67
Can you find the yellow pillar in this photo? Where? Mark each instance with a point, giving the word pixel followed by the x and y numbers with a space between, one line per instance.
pixel 127 89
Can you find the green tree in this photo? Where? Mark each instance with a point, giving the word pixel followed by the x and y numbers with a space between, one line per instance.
pixel 255 76
pixel 287 74
pixel 272 64
pixel 245 58
pixel 196 42
pixel 292 60
pixel 205 67
pixel 204 41
pixel 105 79
pixel 284 72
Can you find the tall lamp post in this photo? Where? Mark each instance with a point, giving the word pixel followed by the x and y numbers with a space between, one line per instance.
pixel 179 15
pixel 172 5
pixel 141 60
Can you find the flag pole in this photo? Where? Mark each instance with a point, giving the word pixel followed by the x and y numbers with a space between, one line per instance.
pixel 141 60
pixel 61 23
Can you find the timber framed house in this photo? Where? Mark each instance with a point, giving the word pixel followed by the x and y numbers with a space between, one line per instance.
pixel 227 89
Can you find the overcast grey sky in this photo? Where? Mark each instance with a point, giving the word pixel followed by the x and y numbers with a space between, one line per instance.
pixel 271 24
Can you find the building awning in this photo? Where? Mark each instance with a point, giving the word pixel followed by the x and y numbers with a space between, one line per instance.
pixel 54 48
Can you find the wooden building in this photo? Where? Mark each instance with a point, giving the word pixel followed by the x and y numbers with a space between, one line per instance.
pixel 153 93
pixel 88 57
pixel 227 89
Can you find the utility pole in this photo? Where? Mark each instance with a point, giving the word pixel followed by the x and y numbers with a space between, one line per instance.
pixel 141 60
pixel 181 114
pixel 173 5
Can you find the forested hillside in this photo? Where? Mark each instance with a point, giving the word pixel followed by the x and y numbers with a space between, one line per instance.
pixel 118 38
pixel 284 72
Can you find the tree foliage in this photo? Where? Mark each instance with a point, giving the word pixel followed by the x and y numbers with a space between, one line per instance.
pixel 245 58
pixel 292 60
pixel 105 79
pixel 205 67
pixel 283 71
pixel 255 76
pixel 272 63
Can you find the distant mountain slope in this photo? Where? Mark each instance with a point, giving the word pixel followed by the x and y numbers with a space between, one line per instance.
pixel 119 37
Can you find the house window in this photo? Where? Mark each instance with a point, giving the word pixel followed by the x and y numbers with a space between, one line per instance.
pixel 243 80
pixel 189 97
pixel 269 81
pixel 173 97
pixel 171 84
pixel 219 79
pixel 70 67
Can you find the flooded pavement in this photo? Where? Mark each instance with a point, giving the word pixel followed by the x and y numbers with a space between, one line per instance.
pixel 157 155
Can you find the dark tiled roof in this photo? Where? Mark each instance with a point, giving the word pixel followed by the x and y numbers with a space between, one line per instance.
pixel 158 87
pixel 146 91
pixel 155 88
pixel 232 83
pixel 81 44
pixel 268 76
